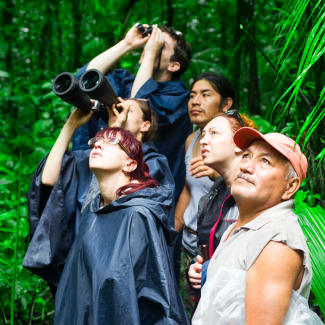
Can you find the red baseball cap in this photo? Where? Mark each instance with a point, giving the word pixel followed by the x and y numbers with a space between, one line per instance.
pixel 280 142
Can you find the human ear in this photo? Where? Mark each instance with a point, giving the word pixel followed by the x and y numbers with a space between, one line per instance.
pixel 227 103
pixel 174 66
pixel 145 126
pixel 291 188
pixel 130 166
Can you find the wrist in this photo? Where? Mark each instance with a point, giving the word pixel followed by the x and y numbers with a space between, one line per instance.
pixel 125 46
pixel 71 126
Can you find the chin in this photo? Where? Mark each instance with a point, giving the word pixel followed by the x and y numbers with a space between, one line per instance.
pixel 241 189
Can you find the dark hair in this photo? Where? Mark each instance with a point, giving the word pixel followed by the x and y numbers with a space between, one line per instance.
pixel 182 50
pixel 220 84
pixel 141 173
pixel 147 115
pixel 237 123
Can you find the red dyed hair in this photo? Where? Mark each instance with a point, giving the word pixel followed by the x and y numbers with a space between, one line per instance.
pixel 141 173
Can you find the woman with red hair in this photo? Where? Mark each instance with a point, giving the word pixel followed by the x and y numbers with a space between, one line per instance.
pixel 116 268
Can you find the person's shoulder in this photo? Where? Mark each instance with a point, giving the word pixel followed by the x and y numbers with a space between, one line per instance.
pixel 189 139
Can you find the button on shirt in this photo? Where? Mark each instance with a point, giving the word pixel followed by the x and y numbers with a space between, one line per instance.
pixel 245 244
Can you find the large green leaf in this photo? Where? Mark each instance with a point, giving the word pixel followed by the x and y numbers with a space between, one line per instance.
pixel 312 221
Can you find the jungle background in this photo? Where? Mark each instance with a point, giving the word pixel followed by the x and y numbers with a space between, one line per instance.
pixel 272 51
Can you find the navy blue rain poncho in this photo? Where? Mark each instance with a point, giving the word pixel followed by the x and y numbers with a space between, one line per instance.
pixel 118 271
pixel 169 101
pixel 115 264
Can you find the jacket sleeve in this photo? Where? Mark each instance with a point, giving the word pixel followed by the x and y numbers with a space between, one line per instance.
pixel 52 216
pixel 157 293
pixel 168 99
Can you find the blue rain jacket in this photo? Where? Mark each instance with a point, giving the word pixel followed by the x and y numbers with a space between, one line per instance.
pixel 116 268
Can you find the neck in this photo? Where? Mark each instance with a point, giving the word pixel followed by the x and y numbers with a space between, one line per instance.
pixel 162 76
pixel 110 183
pixel 249 210
pixel 228 168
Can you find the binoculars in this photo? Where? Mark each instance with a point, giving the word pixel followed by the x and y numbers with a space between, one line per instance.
pixel 144 30
pixel 92 85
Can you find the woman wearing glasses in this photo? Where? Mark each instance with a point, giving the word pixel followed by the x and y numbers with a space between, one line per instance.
pixel 117 269
pixel 136 116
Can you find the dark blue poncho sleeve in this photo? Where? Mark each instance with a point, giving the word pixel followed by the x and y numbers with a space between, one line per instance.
pixel 53 217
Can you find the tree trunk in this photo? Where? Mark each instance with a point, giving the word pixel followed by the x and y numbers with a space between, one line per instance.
pixel 77 44
pixel 170 13
pixel 253 89
pixel 237 54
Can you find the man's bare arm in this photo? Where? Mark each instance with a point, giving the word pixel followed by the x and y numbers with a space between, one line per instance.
pixel 269 283
pixel 151 52
pixel 105 60
pixel 182 203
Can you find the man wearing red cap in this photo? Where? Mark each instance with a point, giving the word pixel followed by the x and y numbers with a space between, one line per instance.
pixel 261 272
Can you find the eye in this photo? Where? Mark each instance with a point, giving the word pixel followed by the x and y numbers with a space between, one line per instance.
pixel 205 95
pixel 266 161
pixel 245 155
pixel 191 96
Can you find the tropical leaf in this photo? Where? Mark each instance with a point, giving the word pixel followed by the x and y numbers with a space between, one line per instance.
pixel 312 222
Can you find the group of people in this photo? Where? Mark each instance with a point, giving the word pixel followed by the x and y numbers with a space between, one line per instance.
pixel 105 215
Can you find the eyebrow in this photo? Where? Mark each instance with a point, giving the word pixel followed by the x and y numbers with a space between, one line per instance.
pixel 260 153
pixel 212 128
pixel 201 91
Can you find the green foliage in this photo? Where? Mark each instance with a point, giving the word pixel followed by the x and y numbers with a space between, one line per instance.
pixel 312 221
pixel 272 51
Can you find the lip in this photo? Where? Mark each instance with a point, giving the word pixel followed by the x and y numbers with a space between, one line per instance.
pixel 95 154
pixel 204 151
pixel 244 179
pixel 195 111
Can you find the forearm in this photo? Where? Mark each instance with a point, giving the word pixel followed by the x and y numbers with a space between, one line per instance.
pixel 181 206
pixel 145 72
pixel 53 163
pixel 104 61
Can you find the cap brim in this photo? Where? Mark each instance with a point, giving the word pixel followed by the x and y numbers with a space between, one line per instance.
pixel 245 136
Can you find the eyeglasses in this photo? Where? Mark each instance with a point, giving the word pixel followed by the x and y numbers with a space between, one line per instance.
pixel 110 140
pixel 234 113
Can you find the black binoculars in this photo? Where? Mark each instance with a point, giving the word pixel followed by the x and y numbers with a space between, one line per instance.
pixel 144 30
pixel 92 85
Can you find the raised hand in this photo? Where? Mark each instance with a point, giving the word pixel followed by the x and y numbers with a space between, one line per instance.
pixel 78 118
pixel 134 38
pixel 155 42
pixel 118 114
pixel 199 169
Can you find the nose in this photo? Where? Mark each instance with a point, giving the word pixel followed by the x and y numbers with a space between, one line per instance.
pixel 204 140
pixel 196 99
pixel 98 144
pixel 247 166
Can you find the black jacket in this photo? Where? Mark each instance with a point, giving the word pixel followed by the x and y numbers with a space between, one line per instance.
pixel 209 211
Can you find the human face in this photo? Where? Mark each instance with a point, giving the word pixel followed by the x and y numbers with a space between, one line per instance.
pixel 261 176
pixel 134 122
pixel 167 52
pixel 108 153
pixel 204 103
pixel 217 144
